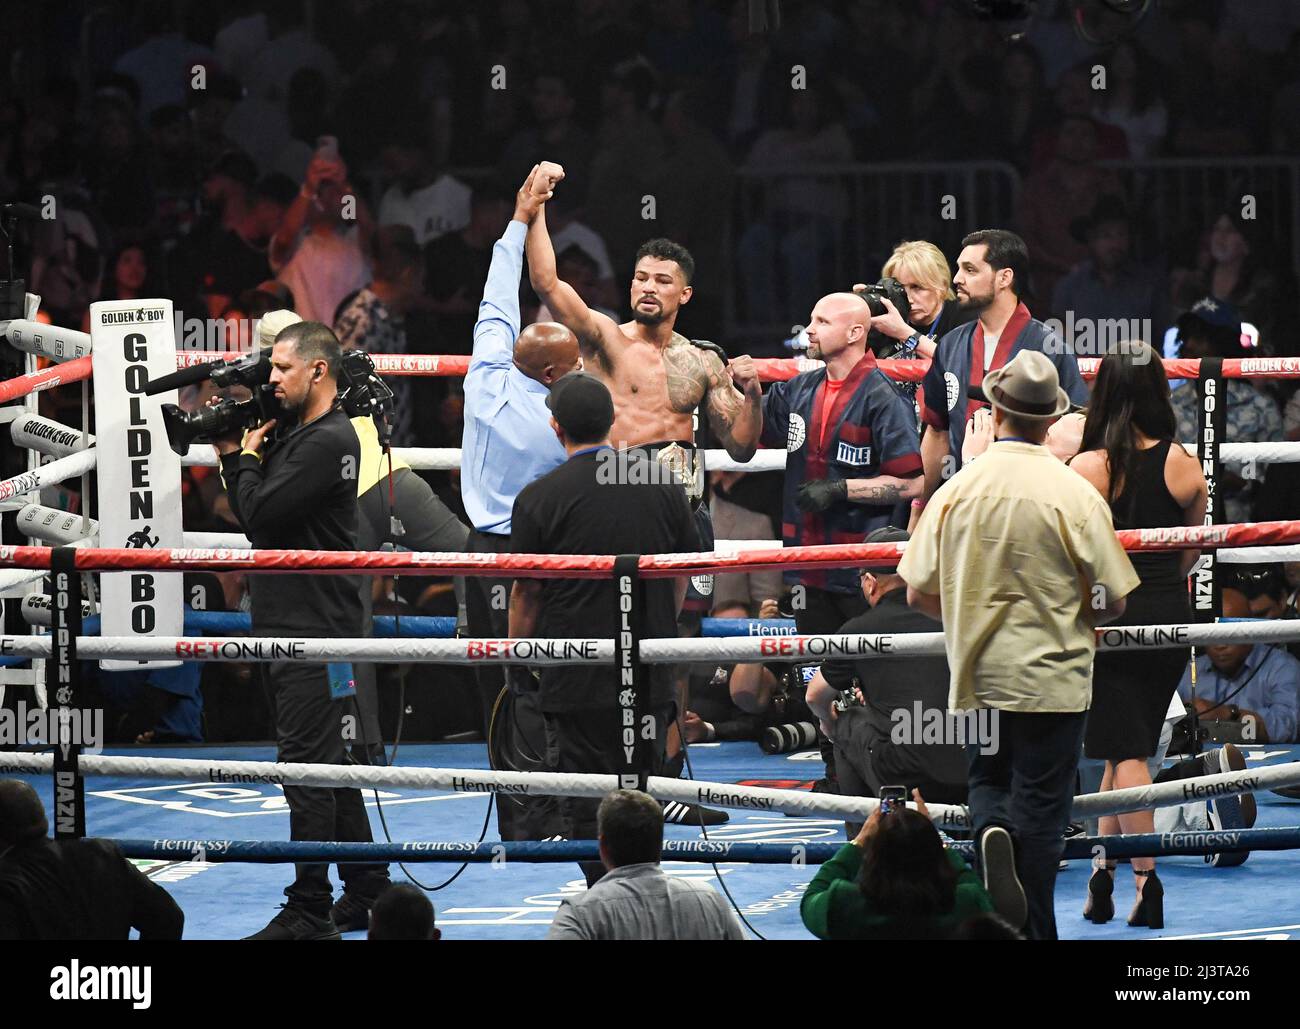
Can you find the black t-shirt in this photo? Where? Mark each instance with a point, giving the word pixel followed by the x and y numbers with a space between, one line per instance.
pixel 304 497
pixel 571 511
pixel 897 684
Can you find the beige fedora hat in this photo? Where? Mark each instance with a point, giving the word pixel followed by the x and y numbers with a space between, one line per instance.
pixel 1027 386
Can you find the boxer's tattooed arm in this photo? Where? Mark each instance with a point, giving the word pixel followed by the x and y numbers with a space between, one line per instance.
pixel 736 419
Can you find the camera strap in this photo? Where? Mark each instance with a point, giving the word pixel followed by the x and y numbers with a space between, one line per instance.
pixel 1244 683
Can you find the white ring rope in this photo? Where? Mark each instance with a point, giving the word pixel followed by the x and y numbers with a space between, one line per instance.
pixel 672 650
pixel 47 436
pixel 1258 555
pixel 572 784
pixel 443 459
pixel 42 340
pixel 64 468
pixel 539 651
pixel 563 784
pixel 1235 555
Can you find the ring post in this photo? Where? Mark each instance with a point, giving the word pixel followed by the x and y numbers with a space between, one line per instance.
pixel 1211 425
pixel 634 708
pixel 62 679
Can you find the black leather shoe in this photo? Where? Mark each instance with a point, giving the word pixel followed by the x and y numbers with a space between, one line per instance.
pixel 295 923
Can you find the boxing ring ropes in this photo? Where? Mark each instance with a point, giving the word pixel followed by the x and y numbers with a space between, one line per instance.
pixel 1268 541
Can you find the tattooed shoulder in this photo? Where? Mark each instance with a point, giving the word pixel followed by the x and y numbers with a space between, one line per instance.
pixel 687 372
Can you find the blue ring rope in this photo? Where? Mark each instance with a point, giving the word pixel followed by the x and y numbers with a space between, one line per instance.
pixel 283 852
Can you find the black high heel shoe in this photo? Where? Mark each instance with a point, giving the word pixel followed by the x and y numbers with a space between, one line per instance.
pixel 1100 907
pixel 1149 911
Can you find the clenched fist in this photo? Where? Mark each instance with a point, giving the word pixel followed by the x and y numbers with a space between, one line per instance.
pixel 744 374
pixel 535 191
pixel 548 174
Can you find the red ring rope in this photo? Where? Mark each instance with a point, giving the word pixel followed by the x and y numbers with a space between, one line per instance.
pixel 590 566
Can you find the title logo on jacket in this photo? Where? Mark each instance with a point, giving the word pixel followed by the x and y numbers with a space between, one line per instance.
pixel 849 454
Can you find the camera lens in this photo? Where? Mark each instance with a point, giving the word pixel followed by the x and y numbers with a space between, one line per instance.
pixel 782 739
pixel 874 304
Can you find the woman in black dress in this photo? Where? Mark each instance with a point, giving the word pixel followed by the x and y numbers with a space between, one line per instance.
pixel 1129 454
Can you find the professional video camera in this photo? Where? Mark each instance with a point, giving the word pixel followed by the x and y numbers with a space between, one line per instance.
pixel 886 289
pixel 361 392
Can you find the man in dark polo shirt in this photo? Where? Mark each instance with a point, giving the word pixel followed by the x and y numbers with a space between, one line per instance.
pixel 298 489
pixel 901 734
pixel 600 501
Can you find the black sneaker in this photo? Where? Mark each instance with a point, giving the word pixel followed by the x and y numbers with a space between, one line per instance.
pixel 295 923
pixel 998 869
pixel 677 813
pixel 351 913
pixel 1072 831
pixel 1235 811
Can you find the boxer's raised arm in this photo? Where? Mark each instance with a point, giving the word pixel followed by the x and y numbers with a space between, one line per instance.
pixel 569 309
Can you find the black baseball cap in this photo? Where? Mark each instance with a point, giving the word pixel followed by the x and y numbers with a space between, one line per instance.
pixel 886 534
pixel 582 406
pixel 1211 311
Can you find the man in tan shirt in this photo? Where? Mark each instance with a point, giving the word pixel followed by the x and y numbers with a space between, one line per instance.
pixel 1018 558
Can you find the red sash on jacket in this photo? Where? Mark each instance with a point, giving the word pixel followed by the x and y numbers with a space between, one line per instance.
pixel 1010 333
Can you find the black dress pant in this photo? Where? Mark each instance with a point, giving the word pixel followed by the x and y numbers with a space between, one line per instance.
pixel 591 741
pixel 824 612
pixel 512 720
pixel 312 728
pixel 1027 786
pixel 429 525
pixel 867 759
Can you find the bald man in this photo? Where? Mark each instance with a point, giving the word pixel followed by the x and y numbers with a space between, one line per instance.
pixel 853 459
pixel 507 444
pixel 71 889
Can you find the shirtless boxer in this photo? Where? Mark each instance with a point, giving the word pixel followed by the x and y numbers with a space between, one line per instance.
pixel 657 376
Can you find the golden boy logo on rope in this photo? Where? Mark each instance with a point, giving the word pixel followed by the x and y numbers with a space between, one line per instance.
pixel 222 554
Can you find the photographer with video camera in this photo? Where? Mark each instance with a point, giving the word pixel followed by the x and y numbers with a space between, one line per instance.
pixel 297 489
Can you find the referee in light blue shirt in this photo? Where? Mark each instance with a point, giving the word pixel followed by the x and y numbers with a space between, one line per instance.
pixel 507 444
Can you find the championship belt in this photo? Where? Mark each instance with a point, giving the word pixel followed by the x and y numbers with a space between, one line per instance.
pixel 685 464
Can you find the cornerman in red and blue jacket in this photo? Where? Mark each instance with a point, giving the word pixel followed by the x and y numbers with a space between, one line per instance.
pixel 852 456
pixel 991 276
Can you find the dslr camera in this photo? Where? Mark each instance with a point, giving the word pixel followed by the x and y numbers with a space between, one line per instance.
pixel 892 290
